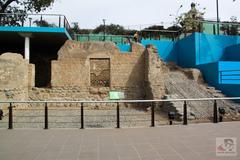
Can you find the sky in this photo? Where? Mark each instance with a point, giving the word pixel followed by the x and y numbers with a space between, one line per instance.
pixel 137 13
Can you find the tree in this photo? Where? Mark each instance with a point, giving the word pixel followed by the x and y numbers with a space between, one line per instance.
pixel 43 23
pixel 190 21
pixel 113 29
pixel 158 32
pixel 230 28
pixel 21 7
pixel 77 30
pixel 26 5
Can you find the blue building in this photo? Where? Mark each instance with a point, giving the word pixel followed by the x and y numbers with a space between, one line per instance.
pixel 217 56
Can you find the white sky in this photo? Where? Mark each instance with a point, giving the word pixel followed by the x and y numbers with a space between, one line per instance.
pixel 89 13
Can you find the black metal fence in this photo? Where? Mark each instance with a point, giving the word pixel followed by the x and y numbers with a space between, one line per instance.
pixel 104 114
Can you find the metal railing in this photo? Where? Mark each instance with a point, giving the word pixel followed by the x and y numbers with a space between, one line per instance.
pixel 151 34
pixel 118 114
pixel 118 39
pixel 34 20
pixel 219 28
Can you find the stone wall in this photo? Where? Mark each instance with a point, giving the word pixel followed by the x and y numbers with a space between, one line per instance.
pixel 16 76
pixel 138 74
pixel 155 73
pixel 72 70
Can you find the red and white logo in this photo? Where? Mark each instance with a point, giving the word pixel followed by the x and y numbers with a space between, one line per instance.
pixel 226 146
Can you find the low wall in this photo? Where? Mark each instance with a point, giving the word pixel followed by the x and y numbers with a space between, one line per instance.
pixel 16 76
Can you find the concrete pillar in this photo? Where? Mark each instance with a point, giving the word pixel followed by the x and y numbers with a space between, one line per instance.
pixel 27 48
pixel 27 37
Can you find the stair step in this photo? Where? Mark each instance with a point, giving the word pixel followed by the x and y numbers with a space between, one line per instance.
pixel 212 88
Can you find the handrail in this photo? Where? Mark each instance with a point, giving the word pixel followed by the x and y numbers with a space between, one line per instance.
pixel 127 101
pixel 82 116
pixel 35 14
pixel 164 31
pixel 65 21
pixel 215 22
pixel 99 35
pixel 32 20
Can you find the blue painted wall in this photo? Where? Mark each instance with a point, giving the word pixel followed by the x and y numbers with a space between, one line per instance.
pixel 166 49
pixel 186 51
pixel 210 73
pixel 214 55
pixel 222 81
pixel 231 90
pixel 124 47
pixel 229 72
pixel 232 53
pixel 211 48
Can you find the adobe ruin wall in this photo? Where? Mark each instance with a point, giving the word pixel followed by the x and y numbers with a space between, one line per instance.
pixel 88 71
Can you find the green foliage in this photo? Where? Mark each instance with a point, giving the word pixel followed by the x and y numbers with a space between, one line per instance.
pixel 13 20
pixel 21 7
pixel 24 5
pixel 43 23
pixel 159 32
pixel 113 29
pixel 190 20
pixel 37 5
pixel 76 29
pixel 230 28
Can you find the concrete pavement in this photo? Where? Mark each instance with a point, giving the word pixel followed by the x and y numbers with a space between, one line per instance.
pixel 192 142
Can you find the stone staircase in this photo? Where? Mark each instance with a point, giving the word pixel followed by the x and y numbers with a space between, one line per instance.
pixel 179 86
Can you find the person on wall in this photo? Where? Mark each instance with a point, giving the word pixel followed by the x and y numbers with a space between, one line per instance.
pixel 136 37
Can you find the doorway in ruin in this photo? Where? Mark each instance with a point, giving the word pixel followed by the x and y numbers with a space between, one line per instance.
pixel 41 57
pixel 100 72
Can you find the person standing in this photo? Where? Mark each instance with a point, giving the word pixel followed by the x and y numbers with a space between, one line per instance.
pixel 136 37
pixel 1 114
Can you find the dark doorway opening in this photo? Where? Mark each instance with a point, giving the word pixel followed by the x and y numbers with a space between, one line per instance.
pixel 42 56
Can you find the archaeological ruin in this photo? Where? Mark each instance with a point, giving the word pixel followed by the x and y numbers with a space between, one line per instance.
pixel 86 71
pixel 91 70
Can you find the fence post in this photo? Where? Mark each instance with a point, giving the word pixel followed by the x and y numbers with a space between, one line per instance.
pixel 214 29
pixel 82 116
pixel 59 22
pixel 215 112
pixel 153 115
pixel 22 21
pixel 46 116
pixel 64 22
pixel 118 115
pixel 10 120
pixel 185 121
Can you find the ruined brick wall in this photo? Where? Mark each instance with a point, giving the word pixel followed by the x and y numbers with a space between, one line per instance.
pixel 155 73
pixel 85 71
pixel 73 70
pixel 16 75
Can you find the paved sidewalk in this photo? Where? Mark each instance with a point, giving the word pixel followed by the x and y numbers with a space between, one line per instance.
pixel 192 142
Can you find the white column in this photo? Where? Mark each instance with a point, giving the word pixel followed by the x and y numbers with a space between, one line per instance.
pixel 27 48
